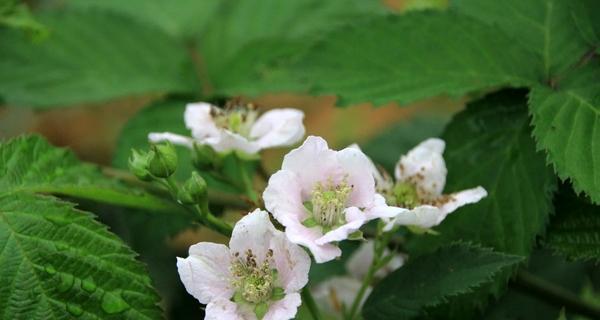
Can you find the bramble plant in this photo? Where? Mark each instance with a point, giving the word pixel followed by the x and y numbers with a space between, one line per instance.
pixel 497 216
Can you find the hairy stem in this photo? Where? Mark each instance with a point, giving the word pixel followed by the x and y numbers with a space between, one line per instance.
pixel 554 295
pixel 309 301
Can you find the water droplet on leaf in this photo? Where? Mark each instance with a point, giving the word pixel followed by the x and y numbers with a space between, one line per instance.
pixel 74 309
pixel 112 303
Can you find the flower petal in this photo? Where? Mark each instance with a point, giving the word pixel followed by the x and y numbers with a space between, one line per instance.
pixel 312 162
pixel 356 166
pixel 291 261
pixel 424 166
pixel 157 137
pixel 359 262
pixel 425 216
pixel 205 272
pixel 299 234
pixel 285 308
pixel 283 198
pixel 380 182
pixel 278 127
pixel 252 232
pixel 223 309
pixel 336 292
pixel 198 119
pixel 228 141
pixel 355 218
pixel 461 198
pixel 382 210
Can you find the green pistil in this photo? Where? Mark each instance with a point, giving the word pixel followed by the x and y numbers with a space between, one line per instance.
pixel 238 120
pixel 405 195
pixel 327 204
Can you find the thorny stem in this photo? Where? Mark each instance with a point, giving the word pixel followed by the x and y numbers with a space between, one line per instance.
pixel 381 242
pixel 309 301
pixel 554 295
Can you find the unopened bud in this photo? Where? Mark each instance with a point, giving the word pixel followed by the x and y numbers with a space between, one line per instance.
pixel 163 161
pixel 204 156
pixel 139 163
pixel 193 191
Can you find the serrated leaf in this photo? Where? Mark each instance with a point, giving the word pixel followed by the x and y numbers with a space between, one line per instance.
pixel 30 164
pixel 182 18
pixel 567 126
pixel 575 230
pixel 414 56
pixel 429 280
pixel 489 144
pixel 58 263
pixel 546 27
pixel 90 56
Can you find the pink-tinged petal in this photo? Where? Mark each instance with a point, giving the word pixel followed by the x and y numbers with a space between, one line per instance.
pixel 462 198
pixel 424 166
pixel 299 234
pixel 312 162
pixel 282 198
pixel 357 168
pixel 355 218
pixel 278 128
pixel 176 139
pixel 228 141
pixel 334 293
pixel 425 216
pixel 379 180
pixel 381 210
pixel 285 308
pixel 205 272
pixel 198 119
pixel 252 232
pixel 291 261
pixel 223 309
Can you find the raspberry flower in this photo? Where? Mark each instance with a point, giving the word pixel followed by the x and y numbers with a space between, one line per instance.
pixel 257 277
pixel 420 179
pixel 236 127
pixel 338 293
pixel 322 196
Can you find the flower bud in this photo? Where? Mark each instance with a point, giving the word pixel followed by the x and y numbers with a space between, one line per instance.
pixel 139 164
pixel 163 161
pixel 204 156
pixel 193 191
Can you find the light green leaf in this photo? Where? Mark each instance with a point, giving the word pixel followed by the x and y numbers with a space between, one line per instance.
pixel 182 18
pixel 567 127
pixel 575 230
pixel 29 164
pixel 14 14
pixel 414 56
pixel 546 27
pixel 489 144
pixel 90 56
pixel 430 280
pixel 59 263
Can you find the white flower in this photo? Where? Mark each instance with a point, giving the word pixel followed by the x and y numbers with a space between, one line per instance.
pixel 420 179
pixel 237 128
pixel 322 196
pixel 338 292
pixel 257 277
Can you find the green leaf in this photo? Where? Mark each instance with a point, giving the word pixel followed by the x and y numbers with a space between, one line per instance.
pixel 14 14
pixel 414 56
pixel 567 127
pixel 575 230
pixel 30 164
pixel 246 44
pixel 585 16
pixel 58 262
pixel 182 18
pixel 430 280
pixel 546 27
pixel 489 144
pixel 90 56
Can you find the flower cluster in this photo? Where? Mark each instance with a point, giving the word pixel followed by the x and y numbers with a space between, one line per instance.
pixel 320 197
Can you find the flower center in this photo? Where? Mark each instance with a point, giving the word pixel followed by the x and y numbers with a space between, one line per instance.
pixel 236 118
pixel 404 195
pixel 327 204
pixel 254 282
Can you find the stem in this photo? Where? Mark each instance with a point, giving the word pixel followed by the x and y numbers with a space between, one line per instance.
pixel 554 295
pixel 213 222
pixel 248 185
pixel 310 304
